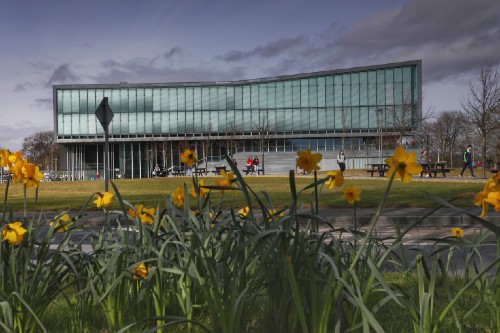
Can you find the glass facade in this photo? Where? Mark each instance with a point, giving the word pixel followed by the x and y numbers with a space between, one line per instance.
pixel 293 109
pixel 315 104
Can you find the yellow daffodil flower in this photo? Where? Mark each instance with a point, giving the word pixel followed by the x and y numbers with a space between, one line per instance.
pixel 103 199
pixel 4 157
pixel 404 164
pixel 308 161
pixel 336 179
pixel 32 175
pixel 140 272
pixel 490 195
pixel 188 157
pixel 228 179
pixel 273 214
pixel 145 215
pixel 16 167
pixel 13 233
pixel 352 194
pixel 203 191
pixel 244 212
pixel 457 232
pixel 178 197
pixel 63 223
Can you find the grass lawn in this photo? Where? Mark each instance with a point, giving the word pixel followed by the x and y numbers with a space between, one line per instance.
pixel 58 196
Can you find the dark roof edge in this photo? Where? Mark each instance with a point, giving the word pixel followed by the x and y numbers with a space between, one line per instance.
pixel 240 82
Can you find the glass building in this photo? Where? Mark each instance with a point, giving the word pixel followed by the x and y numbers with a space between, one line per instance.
pixel 153 122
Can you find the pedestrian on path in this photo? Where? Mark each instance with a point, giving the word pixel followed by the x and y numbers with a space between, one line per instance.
pixel 467 161
pixel 341 159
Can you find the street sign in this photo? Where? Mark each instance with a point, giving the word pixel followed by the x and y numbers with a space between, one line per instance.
pixel 104 113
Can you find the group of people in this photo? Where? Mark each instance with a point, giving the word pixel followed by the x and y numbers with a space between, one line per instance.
pixel 467 161
pixel 252 165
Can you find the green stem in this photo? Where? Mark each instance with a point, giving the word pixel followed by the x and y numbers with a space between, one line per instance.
pixel 316 200
pixel 5 199
pixel 25 205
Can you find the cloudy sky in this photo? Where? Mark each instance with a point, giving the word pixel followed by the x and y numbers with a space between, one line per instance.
pixel 74 42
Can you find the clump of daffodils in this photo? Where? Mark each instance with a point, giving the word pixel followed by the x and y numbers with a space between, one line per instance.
pixel 21 169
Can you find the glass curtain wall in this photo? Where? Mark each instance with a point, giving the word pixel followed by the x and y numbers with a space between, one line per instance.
pixel 315 105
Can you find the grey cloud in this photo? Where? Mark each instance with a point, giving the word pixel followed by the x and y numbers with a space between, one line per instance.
pixel 172 52
pixel 453 37
pixel 20 87
pixel 62 74
pixel 25 86
pixel 141 70
pixel 45 103
pixel 11 137
pixel 268 50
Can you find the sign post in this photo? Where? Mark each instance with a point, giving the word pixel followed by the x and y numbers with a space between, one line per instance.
pixel 104 114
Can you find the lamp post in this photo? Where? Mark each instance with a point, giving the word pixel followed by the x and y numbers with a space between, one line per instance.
pixel 379 123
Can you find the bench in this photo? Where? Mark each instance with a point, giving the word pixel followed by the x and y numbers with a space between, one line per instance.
pixel 492 170
pixel 247 171
pixel 381 172
pixel 434 172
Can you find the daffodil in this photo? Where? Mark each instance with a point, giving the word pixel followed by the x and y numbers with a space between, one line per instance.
pixel 352 194
pixel 13 233
pixel 16 163
pixel 32 175
pixel 103 199
pixel 336 179
pixel 274 213
pixel 489 196
pixel 188 157
pixel 244 212
pixel 145 215
pixel 404 164
pixel 62 224
pixel 227 179
pixel 203 191
pixel 4 157
pixel 140 272
pixel 308 161
pixel 457 232
pixel 178 197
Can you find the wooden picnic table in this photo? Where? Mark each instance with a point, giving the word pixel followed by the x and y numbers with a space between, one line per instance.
pixel 434 168
pixel 218 170
pixel 200 171
pixel 380 168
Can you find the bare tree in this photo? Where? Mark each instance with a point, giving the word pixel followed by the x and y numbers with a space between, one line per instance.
pixel 231 141
pixel 445 132
pixel 482 106
pixel 346 124
pixel 404 120
pixel 206 144
pixel 41 148
pixel 264 132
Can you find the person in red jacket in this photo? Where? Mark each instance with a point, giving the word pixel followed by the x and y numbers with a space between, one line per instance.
pixel 249 165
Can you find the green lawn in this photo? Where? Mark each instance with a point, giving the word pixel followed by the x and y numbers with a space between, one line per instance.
pixel 58 196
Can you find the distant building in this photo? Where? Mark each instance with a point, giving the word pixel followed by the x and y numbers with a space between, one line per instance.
pixel 154 122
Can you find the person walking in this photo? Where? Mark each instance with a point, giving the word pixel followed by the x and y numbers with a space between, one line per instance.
pixel 467 162
pixel 341 161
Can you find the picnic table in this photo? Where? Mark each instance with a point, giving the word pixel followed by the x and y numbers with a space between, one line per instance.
pixel 493 171
pixel 218 170
pixel 177 172
pixel 380 168
pixel 200 171
pixel 434 168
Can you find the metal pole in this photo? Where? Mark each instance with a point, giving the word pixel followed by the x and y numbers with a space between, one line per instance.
pixel 106 159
